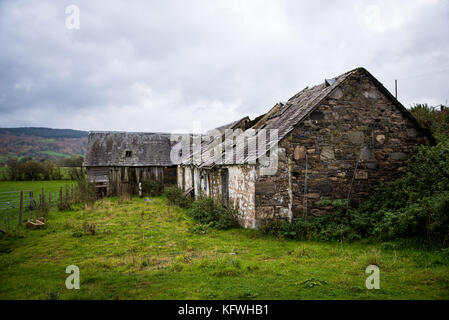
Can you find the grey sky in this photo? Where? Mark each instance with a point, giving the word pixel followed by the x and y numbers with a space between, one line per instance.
pixel 161 65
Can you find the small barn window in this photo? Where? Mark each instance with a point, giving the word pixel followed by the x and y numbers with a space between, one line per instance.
pixel 128 153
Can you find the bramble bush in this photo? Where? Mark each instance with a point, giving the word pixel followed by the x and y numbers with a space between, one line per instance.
pixel 175 196
pixel 414 206
pixel 435 119
pixel 211 212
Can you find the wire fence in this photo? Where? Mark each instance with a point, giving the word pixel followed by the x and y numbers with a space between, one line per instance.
pixel 17 207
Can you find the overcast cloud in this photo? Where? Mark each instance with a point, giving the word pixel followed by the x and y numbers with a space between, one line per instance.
pixel 161 65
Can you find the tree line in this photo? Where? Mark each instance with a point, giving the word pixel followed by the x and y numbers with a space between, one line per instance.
pixel 28 169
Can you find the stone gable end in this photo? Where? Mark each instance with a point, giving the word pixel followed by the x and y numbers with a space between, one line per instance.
pixel 355 138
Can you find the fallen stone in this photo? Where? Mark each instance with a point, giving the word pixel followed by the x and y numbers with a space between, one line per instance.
pixel 34 224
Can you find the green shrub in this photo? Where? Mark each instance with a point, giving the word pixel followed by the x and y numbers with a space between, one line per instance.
pixel 175 196
pixel 435 119
pixel 416 205
pixel 209 211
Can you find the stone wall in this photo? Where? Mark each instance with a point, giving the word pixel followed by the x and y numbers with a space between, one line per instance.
pixel 354 139
pixel 242 193
pixel 273 193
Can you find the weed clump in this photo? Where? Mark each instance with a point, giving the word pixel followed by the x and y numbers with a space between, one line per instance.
pixel 89 228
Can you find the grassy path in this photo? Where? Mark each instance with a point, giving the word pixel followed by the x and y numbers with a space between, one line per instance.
pixel 144 250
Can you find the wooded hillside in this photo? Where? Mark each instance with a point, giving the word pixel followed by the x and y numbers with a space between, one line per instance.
pixel 41 143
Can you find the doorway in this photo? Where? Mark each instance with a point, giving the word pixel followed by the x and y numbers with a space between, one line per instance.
pixel 225 186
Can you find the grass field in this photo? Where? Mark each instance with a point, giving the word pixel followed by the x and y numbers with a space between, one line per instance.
pixel 9 202
pixel 56 154
pixel 147 250
pixel 35 186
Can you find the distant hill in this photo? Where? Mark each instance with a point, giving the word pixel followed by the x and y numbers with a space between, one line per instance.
pixel 41 143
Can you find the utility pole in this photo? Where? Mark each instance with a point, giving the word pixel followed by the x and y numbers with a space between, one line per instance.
pixel 396 88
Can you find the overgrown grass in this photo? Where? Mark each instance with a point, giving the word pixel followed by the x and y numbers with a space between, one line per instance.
pixel 147 250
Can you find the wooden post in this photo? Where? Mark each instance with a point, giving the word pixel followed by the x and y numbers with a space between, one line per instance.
pixel 43 197
pixel 49 198
pixel 21 207
pixel 71 193
pixel 67 194
pixel 60 195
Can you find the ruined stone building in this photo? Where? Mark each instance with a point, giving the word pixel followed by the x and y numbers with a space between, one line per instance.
pixel 336 140
pixel 117 161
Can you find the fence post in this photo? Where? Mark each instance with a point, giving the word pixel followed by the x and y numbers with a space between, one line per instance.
pixel 49 198
pixel 66 194
pixel 43 197
pixel 60 195
pixel 71 194
pixel 21 207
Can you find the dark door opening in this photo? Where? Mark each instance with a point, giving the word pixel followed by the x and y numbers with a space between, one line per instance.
pixel 193 182
pixel 183 172
pixel 225 186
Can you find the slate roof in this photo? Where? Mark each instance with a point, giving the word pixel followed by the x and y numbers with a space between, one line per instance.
pixel 285 116
pixel 153 149
pixel 144 149
pixel 291 113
